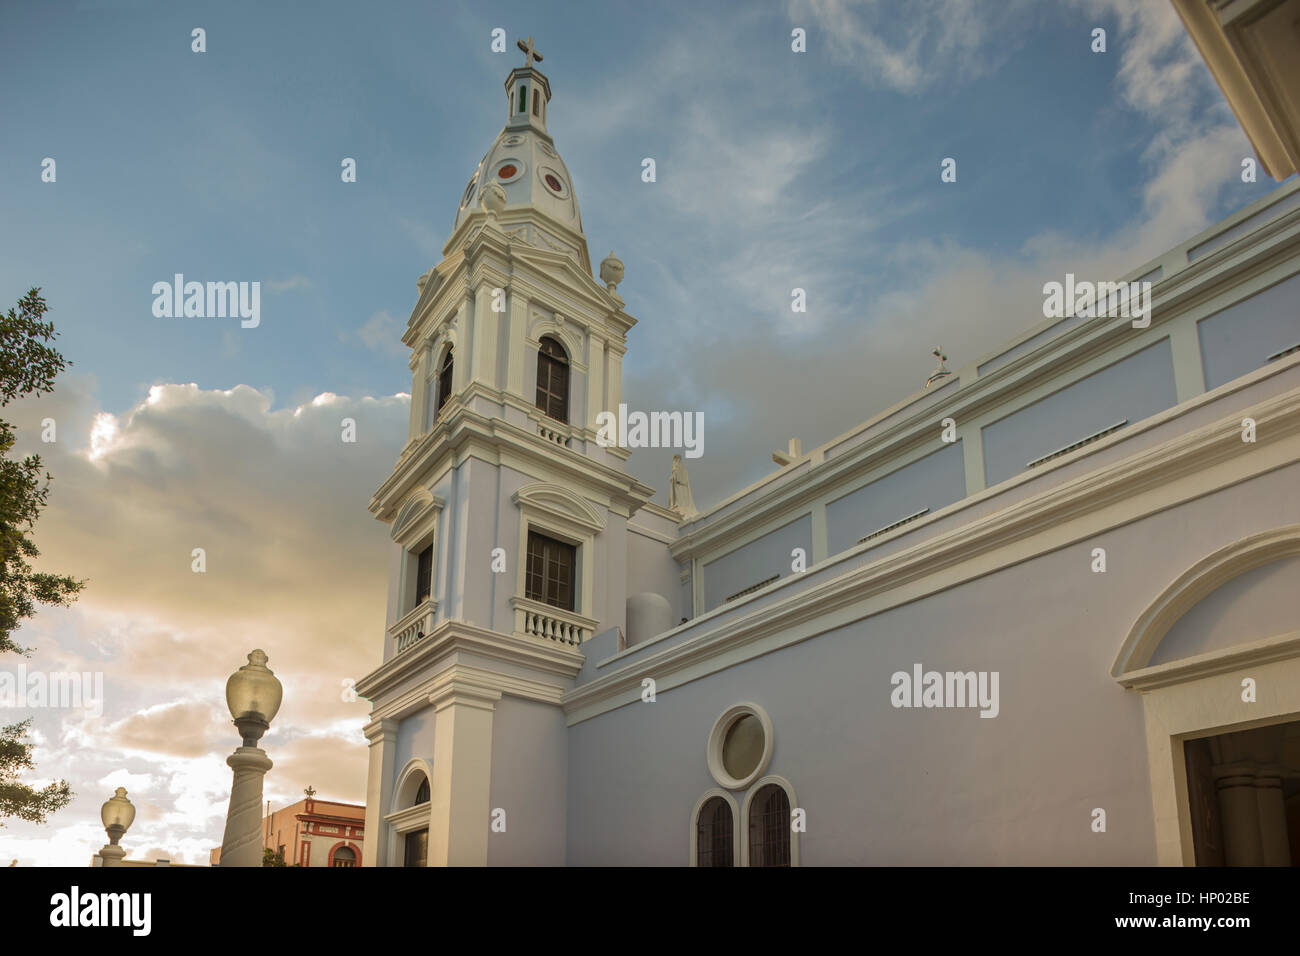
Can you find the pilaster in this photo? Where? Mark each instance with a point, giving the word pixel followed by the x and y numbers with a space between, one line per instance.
pixel 382 735
pixel 460 792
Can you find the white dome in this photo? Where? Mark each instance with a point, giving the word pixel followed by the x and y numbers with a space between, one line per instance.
pixel 648 615
pixel 524 162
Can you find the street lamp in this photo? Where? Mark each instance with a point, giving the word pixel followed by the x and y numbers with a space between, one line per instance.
pixel 253 695
pixel 117 813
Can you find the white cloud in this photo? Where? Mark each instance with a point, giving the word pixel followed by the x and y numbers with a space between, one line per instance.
pixel 295 565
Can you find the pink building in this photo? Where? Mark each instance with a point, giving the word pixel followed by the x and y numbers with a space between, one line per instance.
pixel 314 832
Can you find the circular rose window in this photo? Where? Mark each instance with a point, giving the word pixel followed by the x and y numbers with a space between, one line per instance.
pixel 553 181
pixel 508 170
pixel 740 746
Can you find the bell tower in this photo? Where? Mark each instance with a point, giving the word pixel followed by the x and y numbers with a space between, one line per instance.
pixel 508 518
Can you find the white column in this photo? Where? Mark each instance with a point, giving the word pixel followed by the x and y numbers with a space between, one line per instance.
pixel 459 810
pixel 1239 814
pixel 1272 817
pixel 820 545
pixel 1189 372
pixel 595 380
pixel 485 336
pixel 242 843
pixel 517 334
pixel 419 375
pixel 972 452
pixel 382 735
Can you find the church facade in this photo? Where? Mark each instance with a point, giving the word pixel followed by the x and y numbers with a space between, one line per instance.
pixel 1042 611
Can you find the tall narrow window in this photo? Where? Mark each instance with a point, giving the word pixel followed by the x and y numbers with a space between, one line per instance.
pixel 769 827
pixel 553 380
pixel 444 379
pixel 536 108
pixel 523 98
pixel 548 576
pixel 424 576
pixel 713 846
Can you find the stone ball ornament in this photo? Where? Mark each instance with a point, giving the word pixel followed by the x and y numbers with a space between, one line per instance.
pixel 611 271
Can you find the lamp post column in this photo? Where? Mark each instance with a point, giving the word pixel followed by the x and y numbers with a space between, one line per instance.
pixel 253 694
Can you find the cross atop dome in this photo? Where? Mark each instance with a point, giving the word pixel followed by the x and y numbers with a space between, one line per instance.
pixel 530 52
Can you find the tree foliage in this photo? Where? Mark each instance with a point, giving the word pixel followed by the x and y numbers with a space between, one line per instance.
pixel 28 366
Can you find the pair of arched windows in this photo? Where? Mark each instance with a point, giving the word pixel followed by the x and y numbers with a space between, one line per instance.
pixel 552 380
pixel 769 830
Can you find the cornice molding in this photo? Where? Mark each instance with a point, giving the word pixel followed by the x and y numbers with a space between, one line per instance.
pixel 461 430
pixel 1022 530
pixel 797 497
pixel 450 637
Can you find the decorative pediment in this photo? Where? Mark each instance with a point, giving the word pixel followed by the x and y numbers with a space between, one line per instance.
pixel 1194 585
pixel 560 503
pixel 419 510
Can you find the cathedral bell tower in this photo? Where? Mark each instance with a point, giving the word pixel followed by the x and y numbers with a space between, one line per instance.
pixel 507 516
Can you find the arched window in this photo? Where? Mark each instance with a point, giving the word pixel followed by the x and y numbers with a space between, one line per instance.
pixel 444 379
pixel 422 794
pixel 553 380
pixel 343 856
pixel 713 844
pixel 769 827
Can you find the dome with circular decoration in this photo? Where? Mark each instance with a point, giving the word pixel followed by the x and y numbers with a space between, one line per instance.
pixel 523 160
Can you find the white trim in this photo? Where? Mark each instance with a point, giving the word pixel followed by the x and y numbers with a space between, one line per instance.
pixel 693 836
pixel 1195 584
pixel 788 787
pixel 404 778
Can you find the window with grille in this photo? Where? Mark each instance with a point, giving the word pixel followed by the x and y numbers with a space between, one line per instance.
pixel 444 379
pixel 422 795
pixel 713 845
pixel 769 827
pixel 548 576
pixel 553 380
pixel 424 576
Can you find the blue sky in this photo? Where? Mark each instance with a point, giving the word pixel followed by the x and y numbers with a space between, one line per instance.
pixel 775 170
pixel 225 165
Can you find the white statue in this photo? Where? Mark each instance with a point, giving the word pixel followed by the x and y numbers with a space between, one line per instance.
pixel 679 490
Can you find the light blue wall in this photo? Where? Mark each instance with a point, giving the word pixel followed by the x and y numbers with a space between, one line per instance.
pixel 1134 388
pixel 882 785
pixel 414 739
pixel 650 568
pixel 529 767
pixel 931 482
pixel 761 558
pixel 1238 339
